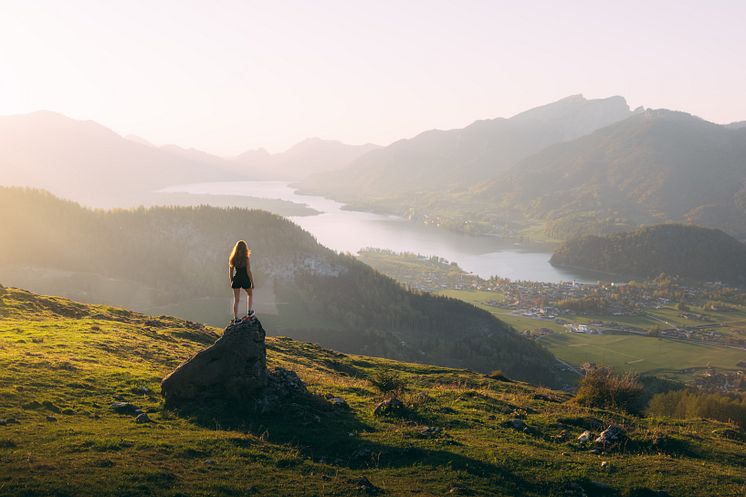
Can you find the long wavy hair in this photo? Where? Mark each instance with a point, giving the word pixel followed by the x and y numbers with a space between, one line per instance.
pixel 239 254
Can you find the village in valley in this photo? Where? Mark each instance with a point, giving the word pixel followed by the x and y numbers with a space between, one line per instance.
pixel 708 314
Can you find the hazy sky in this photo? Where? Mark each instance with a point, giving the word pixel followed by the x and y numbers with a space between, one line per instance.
pixel 225 76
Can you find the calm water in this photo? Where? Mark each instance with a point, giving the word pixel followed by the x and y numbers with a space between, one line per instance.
pixel 350 231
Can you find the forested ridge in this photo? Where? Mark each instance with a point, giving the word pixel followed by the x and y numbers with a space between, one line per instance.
pixel 694 252
pixel 174 254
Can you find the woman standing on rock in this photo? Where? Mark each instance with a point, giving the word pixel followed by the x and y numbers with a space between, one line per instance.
pixel 239 271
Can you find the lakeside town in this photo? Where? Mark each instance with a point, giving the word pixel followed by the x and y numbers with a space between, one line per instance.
pixel 709 313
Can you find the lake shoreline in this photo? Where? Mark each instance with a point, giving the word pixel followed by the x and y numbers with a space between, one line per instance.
pixel 344 229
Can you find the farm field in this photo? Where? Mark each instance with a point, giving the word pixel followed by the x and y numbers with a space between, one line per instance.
pixel 641 354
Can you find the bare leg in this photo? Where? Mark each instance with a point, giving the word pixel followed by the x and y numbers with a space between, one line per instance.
pixel 236 298
pixel 249 300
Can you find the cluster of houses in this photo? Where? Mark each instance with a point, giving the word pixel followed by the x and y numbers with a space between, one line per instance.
pixel 561 302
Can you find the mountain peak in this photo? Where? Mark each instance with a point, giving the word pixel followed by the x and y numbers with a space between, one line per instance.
pixel 565 107
pixel 672 116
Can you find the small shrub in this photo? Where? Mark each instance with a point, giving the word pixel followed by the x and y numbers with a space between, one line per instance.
pixel 498 375
pixel 389 382
pixel 601 387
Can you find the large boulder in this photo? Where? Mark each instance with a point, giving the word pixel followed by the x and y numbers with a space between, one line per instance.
pixel 233 369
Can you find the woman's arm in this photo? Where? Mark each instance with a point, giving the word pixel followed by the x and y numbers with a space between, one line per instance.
pixel 230 273
pixel 248 270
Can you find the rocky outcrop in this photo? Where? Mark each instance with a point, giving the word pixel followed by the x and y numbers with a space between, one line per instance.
pixel 612 435
pixel 233 369
pixel 281 385
pixel 391 406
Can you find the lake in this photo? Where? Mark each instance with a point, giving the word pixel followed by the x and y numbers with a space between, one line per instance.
pixel 349 231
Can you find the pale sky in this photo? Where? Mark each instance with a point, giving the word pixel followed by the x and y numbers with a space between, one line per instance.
pixel 226 76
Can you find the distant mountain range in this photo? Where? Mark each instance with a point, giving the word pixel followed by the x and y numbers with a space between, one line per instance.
pixel 89 163
pixel 686 251
pixel 440 160
pixel 657 166
pixel 570 168
pixel 311 156
pixel 573 167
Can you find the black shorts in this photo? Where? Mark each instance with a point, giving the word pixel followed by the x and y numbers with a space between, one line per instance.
pixel 242 280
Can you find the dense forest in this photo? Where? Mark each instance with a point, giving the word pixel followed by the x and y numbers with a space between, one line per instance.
pixel 687 251
pixel 177 256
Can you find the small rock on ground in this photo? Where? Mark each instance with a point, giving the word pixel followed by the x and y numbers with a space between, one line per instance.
pixel 612 434
pixel 125 408
pixel 51 407
pixel 389 407
pixel 459 489
pixel 585 437
pixel 143 418
pixel 336 401
pixel 515 423
pixel 141 390
pixel 365 485
pixel 430 431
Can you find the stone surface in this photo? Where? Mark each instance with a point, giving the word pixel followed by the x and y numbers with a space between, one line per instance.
pixel 141 390
pixel 50 407
pixel 125 408
pixel 430 431
pixel 585 437
pixel 562 436
pixel 364 484
pixel 336 401
pixel 515 423
pixel 612 435
pixel 233 369
pixel 281 385
pixel 142 418
pixel 389 407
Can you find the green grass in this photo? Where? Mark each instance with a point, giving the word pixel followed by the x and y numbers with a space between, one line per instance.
pixel 640 354
pixel 78 357
pixel 649 355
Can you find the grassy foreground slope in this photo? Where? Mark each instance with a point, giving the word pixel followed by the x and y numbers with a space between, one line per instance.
pixel 58 355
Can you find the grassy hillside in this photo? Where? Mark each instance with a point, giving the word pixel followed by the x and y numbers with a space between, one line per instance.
pixel 65 362
pixel 174 260
pixel 685 251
